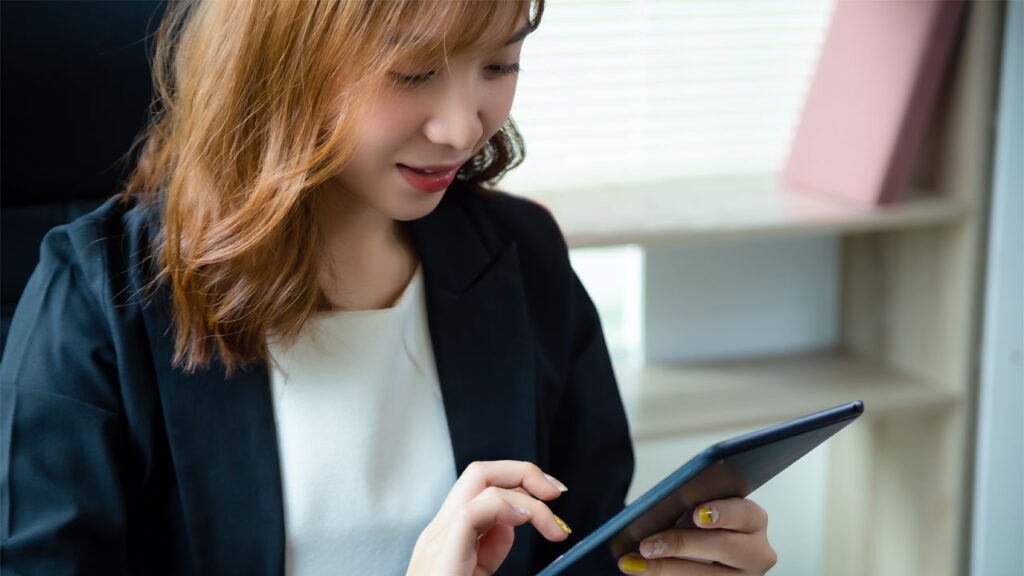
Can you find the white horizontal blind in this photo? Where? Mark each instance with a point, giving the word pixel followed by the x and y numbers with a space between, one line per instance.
pixel 619 91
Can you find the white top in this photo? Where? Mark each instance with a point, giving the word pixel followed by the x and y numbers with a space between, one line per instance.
pixel 366 458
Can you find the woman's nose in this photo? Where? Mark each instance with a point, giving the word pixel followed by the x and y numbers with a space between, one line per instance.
pixel 456 120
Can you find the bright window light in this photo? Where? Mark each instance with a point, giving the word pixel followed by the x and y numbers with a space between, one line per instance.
pixel 619 91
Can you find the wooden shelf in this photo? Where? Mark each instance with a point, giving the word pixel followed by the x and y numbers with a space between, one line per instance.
pixel 745 206
pixel 666 401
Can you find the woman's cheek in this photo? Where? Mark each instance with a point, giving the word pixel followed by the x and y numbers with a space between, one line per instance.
pixel 499 107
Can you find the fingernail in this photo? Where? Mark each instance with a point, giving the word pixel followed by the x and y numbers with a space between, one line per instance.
pixel 653 548
pixel 522 511
pixel 634 564
pixel 561 487
pixel 561 524
pixel 707 515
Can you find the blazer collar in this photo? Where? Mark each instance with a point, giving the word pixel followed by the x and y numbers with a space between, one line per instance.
pixel 480 330
pixel 222 433
pixel 483 342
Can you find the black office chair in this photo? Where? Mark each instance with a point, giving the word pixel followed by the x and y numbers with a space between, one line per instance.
pixel 75 93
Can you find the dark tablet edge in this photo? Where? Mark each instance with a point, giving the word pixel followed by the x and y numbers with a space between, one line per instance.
pixel 767 435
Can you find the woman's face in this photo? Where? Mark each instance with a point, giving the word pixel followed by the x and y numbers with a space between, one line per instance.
pixel 425 125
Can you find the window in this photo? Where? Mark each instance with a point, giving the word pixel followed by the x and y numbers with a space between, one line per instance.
pixel 615 92
pixel 620 91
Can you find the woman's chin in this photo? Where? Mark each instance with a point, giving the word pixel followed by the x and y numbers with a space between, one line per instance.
pixel 418 208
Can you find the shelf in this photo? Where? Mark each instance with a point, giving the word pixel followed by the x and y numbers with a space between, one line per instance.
pixel 666 401
pixel 745 206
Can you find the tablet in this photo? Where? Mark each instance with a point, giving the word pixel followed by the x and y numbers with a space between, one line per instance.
pixel 733 468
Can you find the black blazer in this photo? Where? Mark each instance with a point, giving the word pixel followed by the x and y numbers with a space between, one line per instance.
pixel 114 462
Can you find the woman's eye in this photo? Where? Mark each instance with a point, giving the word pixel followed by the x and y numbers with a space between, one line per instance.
pixel 410 79
pixel 413 80
pixel 503 70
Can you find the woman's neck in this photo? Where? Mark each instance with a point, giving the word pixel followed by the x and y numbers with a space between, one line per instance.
pixel 368 258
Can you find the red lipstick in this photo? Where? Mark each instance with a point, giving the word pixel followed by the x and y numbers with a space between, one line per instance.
pixel 429 179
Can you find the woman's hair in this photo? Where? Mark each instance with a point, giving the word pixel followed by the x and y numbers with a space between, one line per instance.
pixel 258 103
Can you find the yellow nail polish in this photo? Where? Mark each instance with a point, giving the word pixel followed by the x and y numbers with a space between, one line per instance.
pixel 708 515
pixel 634 564
pixel 561 524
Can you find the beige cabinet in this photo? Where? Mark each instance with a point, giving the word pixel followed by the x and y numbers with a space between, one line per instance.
pixel 898 486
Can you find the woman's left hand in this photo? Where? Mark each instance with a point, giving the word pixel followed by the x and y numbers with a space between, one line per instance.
pixel 730 538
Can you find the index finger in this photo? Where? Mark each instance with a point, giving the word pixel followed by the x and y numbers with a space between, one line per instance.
pixel 737 514
pixel 509 474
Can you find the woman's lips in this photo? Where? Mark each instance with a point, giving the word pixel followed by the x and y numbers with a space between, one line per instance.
pixel 429 179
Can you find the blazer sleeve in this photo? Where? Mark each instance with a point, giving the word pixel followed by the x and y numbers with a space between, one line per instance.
pixel 61 419
pixel 592 451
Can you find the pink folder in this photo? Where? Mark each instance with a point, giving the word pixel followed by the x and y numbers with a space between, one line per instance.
pixel 875 86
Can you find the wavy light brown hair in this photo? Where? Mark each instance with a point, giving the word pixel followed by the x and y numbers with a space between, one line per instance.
pixel 257 103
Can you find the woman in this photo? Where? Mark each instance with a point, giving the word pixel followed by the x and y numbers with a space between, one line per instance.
pixel 307 313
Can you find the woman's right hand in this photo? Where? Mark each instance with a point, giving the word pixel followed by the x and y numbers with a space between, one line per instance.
pixel 472 532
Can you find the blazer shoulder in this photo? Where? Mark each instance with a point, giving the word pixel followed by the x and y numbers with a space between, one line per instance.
pixel 524 221
pixel 109 247
pixel 75 313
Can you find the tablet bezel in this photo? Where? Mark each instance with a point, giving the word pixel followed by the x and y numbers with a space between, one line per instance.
pixel 614 527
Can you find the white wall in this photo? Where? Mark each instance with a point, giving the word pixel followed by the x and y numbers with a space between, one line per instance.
pixel 741 299
pixel 998 526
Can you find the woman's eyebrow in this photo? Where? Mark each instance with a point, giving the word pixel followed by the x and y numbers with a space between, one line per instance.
pixel 520 34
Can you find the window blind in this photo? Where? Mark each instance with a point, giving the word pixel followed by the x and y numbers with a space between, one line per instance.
pixel 620 91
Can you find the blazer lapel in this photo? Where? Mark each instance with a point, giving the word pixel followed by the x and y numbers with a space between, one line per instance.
pixel 483 345
pixel 482 339
pixel 224 447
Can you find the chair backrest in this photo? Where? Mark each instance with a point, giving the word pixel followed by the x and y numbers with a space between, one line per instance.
pixel 76 93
